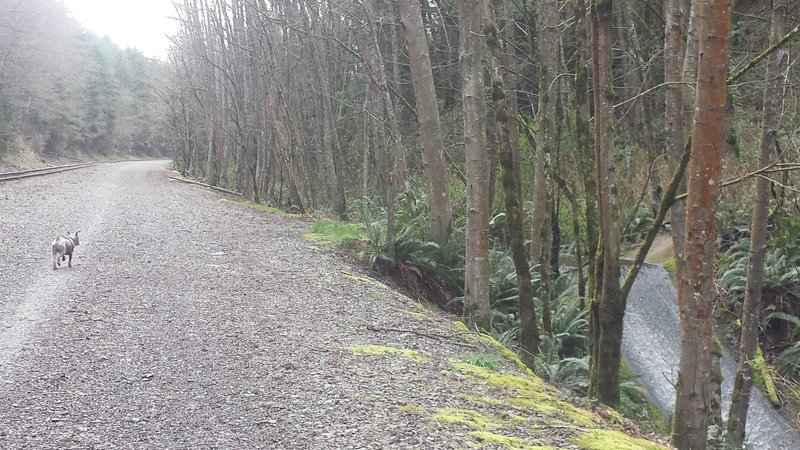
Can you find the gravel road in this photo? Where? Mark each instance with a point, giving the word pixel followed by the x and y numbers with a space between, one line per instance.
pixel 189 322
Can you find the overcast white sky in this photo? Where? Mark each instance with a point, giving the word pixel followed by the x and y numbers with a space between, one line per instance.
pixel 142 24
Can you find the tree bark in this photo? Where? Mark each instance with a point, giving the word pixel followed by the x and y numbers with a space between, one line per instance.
pixel 541 232
pixel 529 328
pixel 610 304
pixel 696 285
pixel 751 310
pixel 673 112
pixel 329 135
pixel 584 140
pixel 688 69
pixel 440 213
pixel 509 60
pixel 476 276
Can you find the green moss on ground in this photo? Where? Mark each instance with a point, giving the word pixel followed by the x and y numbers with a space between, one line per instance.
pixel 335 233
pixel 380 350
pixel 609 439
pixel 410 409
pixel 498 439
pixel 259 207
pixel 365 280
pixel 528 393
pixel 470 417
pixel 515 409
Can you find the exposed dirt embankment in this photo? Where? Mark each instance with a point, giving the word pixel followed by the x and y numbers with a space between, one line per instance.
pixel 187 322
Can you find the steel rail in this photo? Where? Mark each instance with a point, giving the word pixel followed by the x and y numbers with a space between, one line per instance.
pixel 9 176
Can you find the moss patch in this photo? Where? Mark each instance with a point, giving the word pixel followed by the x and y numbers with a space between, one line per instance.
pixel 379 350
pixel 669 266
pixel 610 439
pixel 763 377
pixel 473 419
pixel 528 393
pixel 498 439
pixel 335 233
pixel 418 315
pixel 259 207
pixel 365 280
pixel 417 410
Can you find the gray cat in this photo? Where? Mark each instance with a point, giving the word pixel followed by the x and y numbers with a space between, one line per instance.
pixel 63 246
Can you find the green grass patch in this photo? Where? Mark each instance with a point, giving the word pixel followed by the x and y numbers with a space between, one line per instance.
pixel 335 233
pixel 258 207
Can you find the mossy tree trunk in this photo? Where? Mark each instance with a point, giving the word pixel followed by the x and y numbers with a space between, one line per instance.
pixel 673 108
pixel 695 396
pixel 586 164
pixel 546 140
pixel 586 161
pixel 510 64
pixel 529 329
pixel 610 305
pixel 751 310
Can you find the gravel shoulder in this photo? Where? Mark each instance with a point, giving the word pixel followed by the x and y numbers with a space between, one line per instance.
pixel 189 322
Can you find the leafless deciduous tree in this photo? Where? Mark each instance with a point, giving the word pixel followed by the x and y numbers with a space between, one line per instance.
pixel 610 304
pixel 440 211
pixel 476 278
pixel 743 383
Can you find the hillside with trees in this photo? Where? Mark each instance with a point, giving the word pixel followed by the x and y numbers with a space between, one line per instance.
pixel 68 93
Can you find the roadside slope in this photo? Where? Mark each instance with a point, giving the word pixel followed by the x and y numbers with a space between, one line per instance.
pixel 188 322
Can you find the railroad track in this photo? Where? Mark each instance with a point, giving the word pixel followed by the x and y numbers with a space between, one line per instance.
pixel 8 176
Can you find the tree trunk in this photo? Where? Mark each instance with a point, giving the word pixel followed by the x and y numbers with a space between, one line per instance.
pixel 586 163
pixel 547 40
pixel 696 286
pixel 673 112
pixel 584 140
pixel 329 137
pixel 400 165
pixel 529 328
pixel 476 276
pixel 509 59
pixel 440 213
pixel 751 310
pixel 687 96
pixel 642 120
pixel 610 304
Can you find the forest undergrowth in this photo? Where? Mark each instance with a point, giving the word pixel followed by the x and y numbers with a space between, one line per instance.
pixel 432 273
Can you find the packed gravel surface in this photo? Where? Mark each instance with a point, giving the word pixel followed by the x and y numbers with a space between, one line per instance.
pixel 187 321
